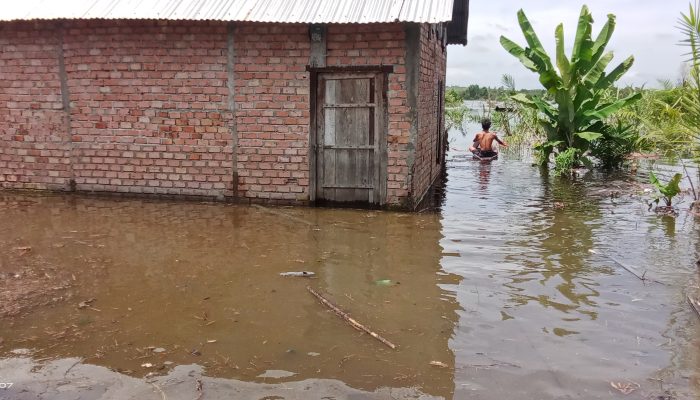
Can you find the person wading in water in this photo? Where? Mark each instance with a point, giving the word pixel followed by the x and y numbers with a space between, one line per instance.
pixel 483 141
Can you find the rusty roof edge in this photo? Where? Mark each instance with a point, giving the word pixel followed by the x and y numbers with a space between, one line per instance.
pixel 272 11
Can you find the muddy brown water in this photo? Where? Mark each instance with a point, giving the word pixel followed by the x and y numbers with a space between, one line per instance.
pixel 511 286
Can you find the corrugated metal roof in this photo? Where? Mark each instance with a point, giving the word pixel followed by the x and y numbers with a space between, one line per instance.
pixel 287 11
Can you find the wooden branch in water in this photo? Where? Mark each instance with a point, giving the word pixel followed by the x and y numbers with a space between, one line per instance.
pixel 642 278
pixel 348 318
pixel 695 305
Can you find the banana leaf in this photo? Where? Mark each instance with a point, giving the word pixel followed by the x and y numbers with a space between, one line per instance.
pixel 603 38
pixel 589 136
pixel 608 80
pixel 517 51
pixel 583 44
pixel 530 36
pixel 566 108
pixel 607 110
pixel 598 70
pixel 548 77
pixel 562 62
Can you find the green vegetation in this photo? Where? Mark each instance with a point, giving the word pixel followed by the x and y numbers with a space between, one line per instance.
pixel 574 114
pixel 690 26
pixel 581 117
pixel 668 120
pixel 566 160
pixel 500 93
pixel 520 124
pixel 666 191
pixel 456 113
pixel 620 140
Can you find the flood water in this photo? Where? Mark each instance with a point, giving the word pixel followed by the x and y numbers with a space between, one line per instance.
pixel 512 289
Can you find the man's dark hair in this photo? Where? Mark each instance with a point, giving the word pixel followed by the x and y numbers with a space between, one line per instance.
pixel 485 124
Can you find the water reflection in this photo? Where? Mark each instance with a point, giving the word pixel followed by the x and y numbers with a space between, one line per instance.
pixel 669 224
pixel 545 318
pixel 554 268
pixel 517 307
pixel 201 282
pixel 484 175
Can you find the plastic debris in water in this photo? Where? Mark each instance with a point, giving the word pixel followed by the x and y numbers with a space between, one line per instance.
pixel 304 274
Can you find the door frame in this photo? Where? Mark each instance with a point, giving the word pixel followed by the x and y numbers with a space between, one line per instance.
pixel 382 123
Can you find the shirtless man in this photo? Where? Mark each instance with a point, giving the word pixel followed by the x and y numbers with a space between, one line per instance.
pixel 483 141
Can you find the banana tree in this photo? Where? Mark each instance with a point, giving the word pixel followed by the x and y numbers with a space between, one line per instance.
pixel 576 115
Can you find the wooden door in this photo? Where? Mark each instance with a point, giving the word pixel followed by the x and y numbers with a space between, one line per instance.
pixel 349 138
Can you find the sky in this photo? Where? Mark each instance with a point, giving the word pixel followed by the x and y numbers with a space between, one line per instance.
pixel 646 29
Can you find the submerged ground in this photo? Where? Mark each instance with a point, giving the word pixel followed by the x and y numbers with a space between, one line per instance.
pixel 512 288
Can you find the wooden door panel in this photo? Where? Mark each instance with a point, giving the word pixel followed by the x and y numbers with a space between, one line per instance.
pixel 347 140
pixel 348 91
pixel 353 123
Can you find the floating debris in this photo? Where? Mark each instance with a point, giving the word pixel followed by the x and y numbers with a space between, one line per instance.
pixel 276 374
pixel 87 303
pixel 625 387
pixel 303 274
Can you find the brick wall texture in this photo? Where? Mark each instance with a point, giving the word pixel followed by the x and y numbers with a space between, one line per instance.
pixel 431 85
pixel 151 106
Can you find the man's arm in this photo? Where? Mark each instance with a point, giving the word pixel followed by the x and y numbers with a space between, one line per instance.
pixel 502 143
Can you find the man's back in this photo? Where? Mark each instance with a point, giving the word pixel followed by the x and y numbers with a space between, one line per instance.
pixel 483 141
pixel 486 141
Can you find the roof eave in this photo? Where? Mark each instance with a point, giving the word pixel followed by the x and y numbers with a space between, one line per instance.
pixel 457 28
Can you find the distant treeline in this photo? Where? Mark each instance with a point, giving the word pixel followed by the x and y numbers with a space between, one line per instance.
pixel 476 92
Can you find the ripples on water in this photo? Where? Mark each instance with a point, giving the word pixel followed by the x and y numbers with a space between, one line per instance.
pixel 501 286
pixel 535 295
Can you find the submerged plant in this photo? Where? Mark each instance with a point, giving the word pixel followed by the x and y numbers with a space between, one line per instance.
pixel 619 141
pixel 565 161
pixel 576 116
pixel 456 113
pixel 666 191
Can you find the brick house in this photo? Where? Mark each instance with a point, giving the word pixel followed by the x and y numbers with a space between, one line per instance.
pixel 294 101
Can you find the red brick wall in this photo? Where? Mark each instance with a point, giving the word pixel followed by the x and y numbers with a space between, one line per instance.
pixel 150 106
pixel 33 140
pixel 272 117
pixel 432 59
